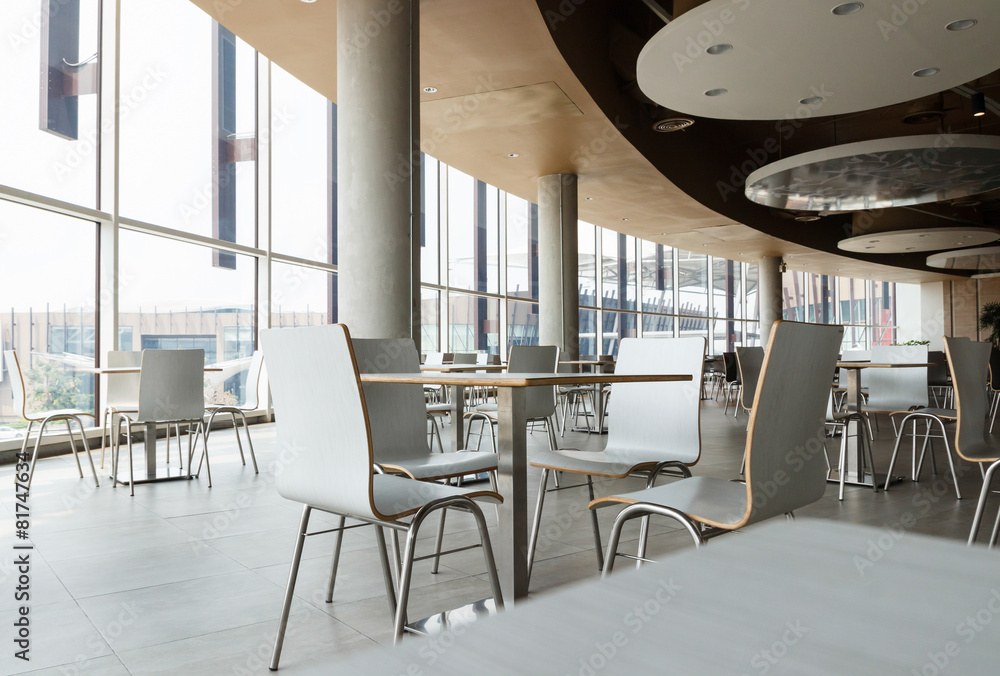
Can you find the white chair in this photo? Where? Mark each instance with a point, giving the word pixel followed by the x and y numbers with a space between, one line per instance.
pixel 969 364
pixel 122 392
pixel 906 390
pixel 171 392
pixel 539 402
pixel 656 426
pixel 324 424
pixel 44 417
pixel 785 470
pixel 256 388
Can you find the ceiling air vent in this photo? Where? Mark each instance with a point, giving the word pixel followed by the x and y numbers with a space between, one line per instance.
pixel 924 117
pixel 672 124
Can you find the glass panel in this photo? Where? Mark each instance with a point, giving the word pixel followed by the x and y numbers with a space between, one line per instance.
pixel 657 326
pixel 657 278
pixel 853 312
pixel 753 308
pixel 473 233
pixel 173 297
pixel 522 323
pixel 51 144
pixel 587 262
pixel 793 291
pixel 430 231
pixel 727 334
pixel 475 323
pixel 301 180
pixel 614 271
pixel 302 296
pixel 692 272
pixel 820 289
pixel 430 320
pixel 617 325
pixel 752 337
pixel 522 248
pixel 47 309
pixel 727 290
pixel 588 333
pixel 883 313
pixel 692 326
pixel 189 137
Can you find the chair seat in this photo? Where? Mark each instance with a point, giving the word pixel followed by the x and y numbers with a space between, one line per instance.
pixel 443 465
pixel 487 408
pixel 949 413
pixel 38 416
pixel 439 408
pixel 130 407
pixel 594 463
pixel 395 497
pixel 709 500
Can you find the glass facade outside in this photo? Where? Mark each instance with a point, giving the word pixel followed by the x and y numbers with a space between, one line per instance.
pixel 213 243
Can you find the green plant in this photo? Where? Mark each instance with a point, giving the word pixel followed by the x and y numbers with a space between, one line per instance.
pixel 912 342
pixel 989 318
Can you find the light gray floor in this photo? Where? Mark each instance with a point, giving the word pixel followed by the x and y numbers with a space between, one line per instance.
pixel 184 579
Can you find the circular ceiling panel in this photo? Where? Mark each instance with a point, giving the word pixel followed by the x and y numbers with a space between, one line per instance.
pixel 984 260
pixel 880 173
pixel 774 60
pixel 924 239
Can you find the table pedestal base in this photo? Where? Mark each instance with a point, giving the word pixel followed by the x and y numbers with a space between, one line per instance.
pixel 465 615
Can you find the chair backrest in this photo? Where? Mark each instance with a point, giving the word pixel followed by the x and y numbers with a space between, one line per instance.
pixel 397 414
pixel 172 385
pixel 732 370
pixel 465 358
pixel 994 369
pixel 256 385
pixel 323 428
pixel 785 455
pixel 16 383
pixel 123 388
pixel 937 375
pixel 750 360
pixel 855 355
pixel 897 389
pixel 539 402
pixel 434 359
pixel 658 418
pixel 969 362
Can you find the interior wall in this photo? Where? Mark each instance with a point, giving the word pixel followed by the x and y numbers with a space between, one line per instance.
pixel 962 302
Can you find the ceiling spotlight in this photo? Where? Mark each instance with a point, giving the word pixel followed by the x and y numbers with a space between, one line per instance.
pixel 873 241
pixel 672 124
pixel 511 154
pixel 978 104
pixel 847 8
pixel 720 48
pixel 909 248
pixel 926 72
pixel 811 100
pixel 961 24
pixel 590 199
pixel 663 234
pixel 625 220
pixel 869 247
pixel 427 90
pixel 309 2
pixel 716 92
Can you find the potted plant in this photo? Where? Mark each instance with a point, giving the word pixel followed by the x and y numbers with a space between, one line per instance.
pixel 989 319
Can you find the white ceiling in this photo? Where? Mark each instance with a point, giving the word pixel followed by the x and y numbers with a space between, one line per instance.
pixel 784 51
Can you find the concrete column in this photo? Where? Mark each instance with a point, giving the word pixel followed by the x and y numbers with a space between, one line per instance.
pixel 558 298
pixel 378 166
pixel 769 292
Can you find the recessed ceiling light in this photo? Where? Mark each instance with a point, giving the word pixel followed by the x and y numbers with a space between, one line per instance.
pixel 961 24
pixel 704 245
pixel 806 219
pixel 921 235
pixel 869 247
pixel 663 234
pixel 511 154
pixel 848 8
pixel 968 236
pixel 716 92
pixel 909 248
pixel 873 241
pixel 811 100
pixel 720 48
pixel 625 219
pixel 589 199
pixel 427 90
pixel 309 2
pixel 926 72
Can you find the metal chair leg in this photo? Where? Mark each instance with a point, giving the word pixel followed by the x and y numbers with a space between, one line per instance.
pixel 533 538
pixel 438 540
pixel 336 560
pixel 246 428
pixel 642 509
pixel 595 526
pixel 293 574
pixel 983 497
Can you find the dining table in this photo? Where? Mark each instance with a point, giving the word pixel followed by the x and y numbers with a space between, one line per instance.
pixel 511 547
pixel 807 596
pixel 594 366
pixel 854 401
pixel 152 473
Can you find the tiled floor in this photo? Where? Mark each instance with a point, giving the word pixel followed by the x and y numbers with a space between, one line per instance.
pixel 184 579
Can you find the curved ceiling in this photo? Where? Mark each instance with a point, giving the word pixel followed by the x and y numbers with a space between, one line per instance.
pixel 774 59
pixel 549 81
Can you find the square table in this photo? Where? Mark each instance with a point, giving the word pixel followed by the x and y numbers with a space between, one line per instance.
pixel 512 474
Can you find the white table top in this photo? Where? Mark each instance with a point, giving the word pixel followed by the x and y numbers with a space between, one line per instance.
pixel 803 597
